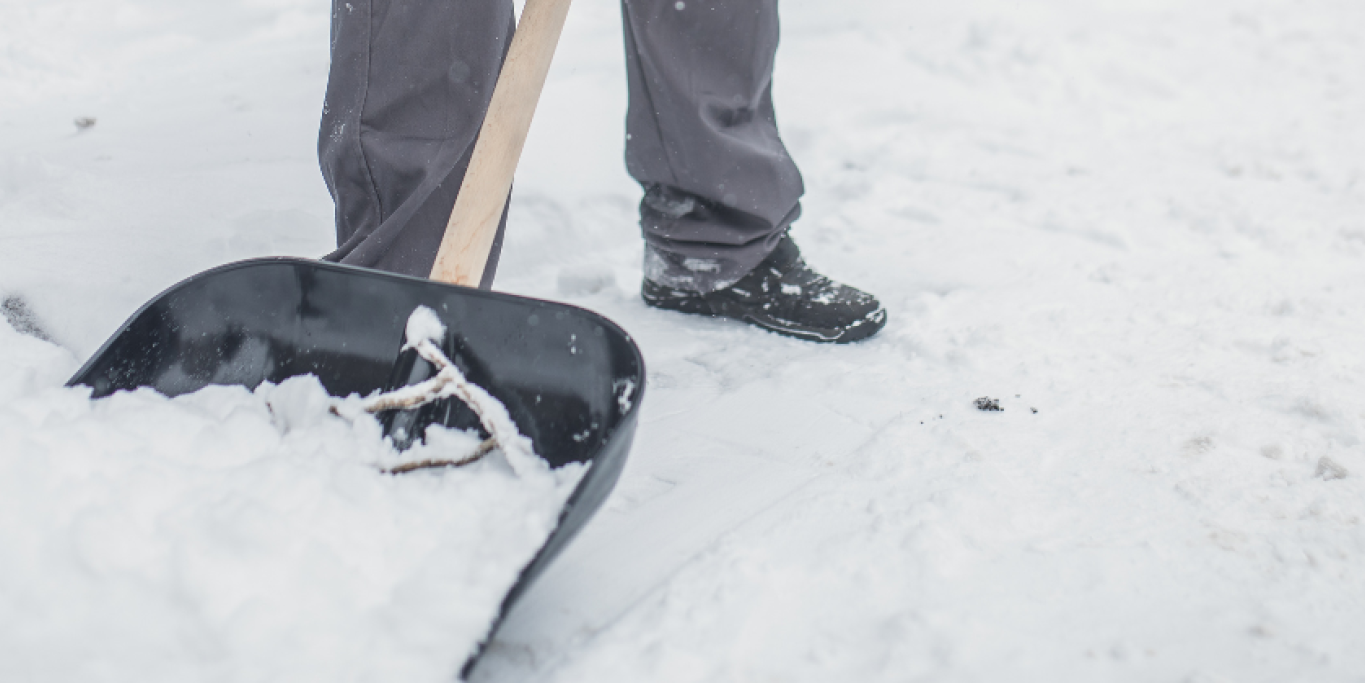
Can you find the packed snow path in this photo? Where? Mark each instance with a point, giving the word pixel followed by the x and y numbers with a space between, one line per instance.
pixel 1145 220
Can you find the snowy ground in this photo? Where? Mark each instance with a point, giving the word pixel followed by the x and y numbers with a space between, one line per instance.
pixel 1145 220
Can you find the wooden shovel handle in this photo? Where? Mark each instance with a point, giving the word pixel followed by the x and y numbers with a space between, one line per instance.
pixel 474 221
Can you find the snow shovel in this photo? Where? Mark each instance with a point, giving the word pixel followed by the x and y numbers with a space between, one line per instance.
pixel 570 379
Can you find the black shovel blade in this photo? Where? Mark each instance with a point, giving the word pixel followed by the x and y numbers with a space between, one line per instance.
pixel 571 379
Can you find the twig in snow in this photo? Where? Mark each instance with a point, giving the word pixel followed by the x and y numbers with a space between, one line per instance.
pixel 484 449
pixel 424 330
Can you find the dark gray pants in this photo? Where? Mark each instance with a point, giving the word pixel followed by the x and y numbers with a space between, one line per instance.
pixel 411 79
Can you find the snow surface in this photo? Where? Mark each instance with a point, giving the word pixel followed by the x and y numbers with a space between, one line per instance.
pixel 226 535
pixel 1143 219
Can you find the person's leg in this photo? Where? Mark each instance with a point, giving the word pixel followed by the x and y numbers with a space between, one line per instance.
pixel 410 82
pixel 720 188
pixel 702 138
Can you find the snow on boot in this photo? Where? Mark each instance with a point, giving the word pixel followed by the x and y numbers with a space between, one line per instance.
pixel 785 296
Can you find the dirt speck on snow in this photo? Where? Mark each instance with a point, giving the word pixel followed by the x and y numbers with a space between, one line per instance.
pixel 21 317
pixel 1329 469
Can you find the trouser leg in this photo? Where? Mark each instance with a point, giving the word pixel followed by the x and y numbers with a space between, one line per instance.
pixel 721 188
pixel 409 85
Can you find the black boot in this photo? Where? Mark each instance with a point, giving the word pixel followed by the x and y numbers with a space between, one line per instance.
pixel 785 296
